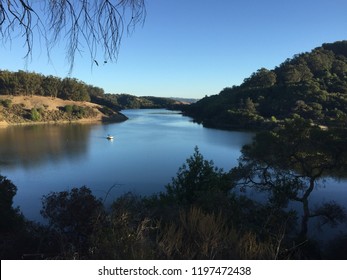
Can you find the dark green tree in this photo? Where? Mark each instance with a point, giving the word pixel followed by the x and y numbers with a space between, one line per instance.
pixel 73 89
pixel 51 86
pixel 289 162
pixel 317 78
pixel 262 78
pixel 198 182
pixel 8 83
pixel 74 215
pixel 250 106
pixel 9 214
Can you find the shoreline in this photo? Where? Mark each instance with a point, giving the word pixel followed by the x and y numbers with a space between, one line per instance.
pixel 101 120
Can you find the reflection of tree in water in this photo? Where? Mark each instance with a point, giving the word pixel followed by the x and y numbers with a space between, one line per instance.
pixel 33 145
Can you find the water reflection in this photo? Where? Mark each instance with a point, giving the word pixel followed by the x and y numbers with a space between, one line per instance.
pixel 146 153
pixel 30 146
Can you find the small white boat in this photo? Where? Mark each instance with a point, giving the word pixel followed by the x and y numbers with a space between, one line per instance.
pixel 109 137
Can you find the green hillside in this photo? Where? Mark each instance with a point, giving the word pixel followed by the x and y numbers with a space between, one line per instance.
pixel 127 101
pixel 312 85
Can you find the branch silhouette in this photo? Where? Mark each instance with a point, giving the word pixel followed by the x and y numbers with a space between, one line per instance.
pixel 84 24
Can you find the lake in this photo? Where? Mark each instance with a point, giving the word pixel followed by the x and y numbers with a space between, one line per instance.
pixel 145 154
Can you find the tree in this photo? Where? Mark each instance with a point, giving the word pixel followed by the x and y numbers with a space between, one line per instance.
pixel 262 78
pixel 74 215
pixel 249 106
pixel 72 89
pixel 289 162
pixel 9 214
pixel 50 86
pixel 95 24
pixel 8 83
pixel 35 115
pixel 29 83
pixel 198 182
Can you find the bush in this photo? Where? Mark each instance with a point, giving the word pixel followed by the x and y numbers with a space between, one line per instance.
pixel 74 215
pixel 7 103
pixel 78 111
pixel 198 235
pixel 273 119
pixel 35 115
pixel 9 214
pixel 198 181
pixel 68 109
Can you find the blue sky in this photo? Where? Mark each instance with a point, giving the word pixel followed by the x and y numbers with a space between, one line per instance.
pixel 193 48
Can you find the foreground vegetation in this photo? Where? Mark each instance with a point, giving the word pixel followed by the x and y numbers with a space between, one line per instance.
pixel 311 85
pixel 201 214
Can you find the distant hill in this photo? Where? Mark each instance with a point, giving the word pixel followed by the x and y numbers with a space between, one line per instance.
pixel 185 100
pixel 311 85
pixel 127 101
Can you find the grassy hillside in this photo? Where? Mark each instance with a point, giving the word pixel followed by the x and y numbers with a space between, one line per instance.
pixel 33 109
pixel 311 85
pixel 30 83
pixel 27 97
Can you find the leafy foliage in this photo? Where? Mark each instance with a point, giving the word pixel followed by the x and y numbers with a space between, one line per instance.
pixel 198 216
pixel 30 83
pixel 197 182
pixel 74 215
pixel 35 115
pixel 288 163
pixel 7 103
pixel 312 85
pixel 27 83
pixel 9 215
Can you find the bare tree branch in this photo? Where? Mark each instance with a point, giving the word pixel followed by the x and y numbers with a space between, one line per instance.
pixel 83 24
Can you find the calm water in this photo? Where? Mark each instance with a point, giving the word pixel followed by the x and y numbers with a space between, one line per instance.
pixel 146 153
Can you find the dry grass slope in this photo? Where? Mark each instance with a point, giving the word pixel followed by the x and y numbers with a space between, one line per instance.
pixel 42 109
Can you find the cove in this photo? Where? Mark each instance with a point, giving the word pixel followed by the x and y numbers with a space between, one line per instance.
pixel 145 154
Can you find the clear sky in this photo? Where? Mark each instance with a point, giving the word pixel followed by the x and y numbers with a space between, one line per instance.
pixel 193 48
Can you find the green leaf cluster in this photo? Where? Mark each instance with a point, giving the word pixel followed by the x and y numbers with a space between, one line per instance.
pixel 35 115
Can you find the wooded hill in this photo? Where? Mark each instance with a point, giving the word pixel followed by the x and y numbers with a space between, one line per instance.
pixel 20 86
pixel 312 85
pixel 30 83
pixel 127 101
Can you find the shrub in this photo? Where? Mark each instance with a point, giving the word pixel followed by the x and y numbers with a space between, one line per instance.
pixel 198 235
pixel 7 103
pixel 68 109
pixel 74 215
pixel 78 111
pixel 35 115
pixel 273 119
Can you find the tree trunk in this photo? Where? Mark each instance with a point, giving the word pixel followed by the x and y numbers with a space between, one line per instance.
pixel 306 211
